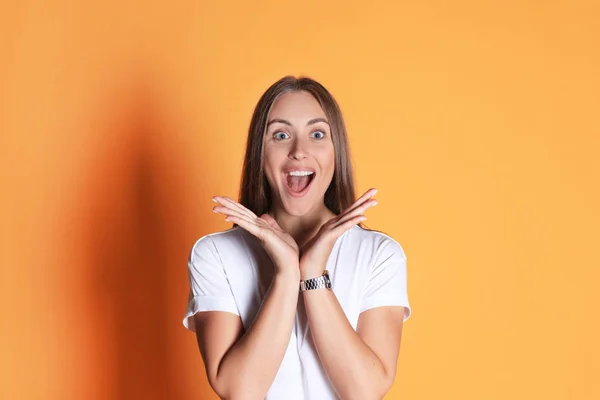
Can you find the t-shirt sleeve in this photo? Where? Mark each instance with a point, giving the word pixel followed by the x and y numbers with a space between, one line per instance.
pixel 387 284
pixel 209 287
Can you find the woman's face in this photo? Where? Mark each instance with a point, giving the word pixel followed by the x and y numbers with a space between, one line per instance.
pixel 299 157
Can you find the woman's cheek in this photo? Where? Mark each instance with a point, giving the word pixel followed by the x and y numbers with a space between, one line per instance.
pixel 271 178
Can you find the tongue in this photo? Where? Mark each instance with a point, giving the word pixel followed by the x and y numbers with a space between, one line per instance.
pixel 298 183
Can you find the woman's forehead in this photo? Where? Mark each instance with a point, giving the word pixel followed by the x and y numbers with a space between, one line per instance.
pixel 297 108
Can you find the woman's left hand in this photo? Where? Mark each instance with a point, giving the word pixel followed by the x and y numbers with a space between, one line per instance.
pixel 315 253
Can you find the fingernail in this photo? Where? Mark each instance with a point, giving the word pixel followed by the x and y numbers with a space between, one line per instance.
pixel 227 219
pixel 375 203
pixel 213 199
pixel 215 211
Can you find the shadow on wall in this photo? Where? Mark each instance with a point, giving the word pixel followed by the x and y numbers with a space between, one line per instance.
pixel 138 234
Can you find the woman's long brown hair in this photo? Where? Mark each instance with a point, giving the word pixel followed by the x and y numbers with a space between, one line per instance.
pixel 255 193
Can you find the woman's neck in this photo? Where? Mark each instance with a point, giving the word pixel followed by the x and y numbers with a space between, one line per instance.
pixel 302 228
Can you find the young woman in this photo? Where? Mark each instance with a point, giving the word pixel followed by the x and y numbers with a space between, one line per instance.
pixel 297 300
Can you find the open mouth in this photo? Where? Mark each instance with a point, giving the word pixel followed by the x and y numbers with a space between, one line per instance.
pixel 298 182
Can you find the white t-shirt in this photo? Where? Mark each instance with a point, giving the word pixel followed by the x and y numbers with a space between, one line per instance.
pixel 230 271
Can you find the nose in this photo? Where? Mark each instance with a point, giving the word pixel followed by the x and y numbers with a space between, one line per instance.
pixel 298 152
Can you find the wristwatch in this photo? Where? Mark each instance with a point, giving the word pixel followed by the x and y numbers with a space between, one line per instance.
pixel 319 282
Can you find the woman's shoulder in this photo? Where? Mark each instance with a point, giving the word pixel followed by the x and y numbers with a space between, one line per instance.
pixel 212 241
pixel 377 241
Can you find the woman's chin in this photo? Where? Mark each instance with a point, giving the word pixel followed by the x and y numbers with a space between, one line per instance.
pixel 297 206
pixel 300 203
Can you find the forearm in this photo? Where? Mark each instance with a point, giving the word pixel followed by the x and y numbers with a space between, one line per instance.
pixel 248 369
pixel 353 368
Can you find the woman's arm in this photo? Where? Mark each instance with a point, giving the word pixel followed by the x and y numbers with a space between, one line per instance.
pixel 360 364
pixel 243 365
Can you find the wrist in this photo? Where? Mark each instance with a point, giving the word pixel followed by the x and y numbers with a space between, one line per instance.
pixel 290 273
pixel 319 282
pixel 311 272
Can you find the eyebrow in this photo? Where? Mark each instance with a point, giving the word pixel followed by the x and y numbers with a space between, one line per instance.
pixel 286 122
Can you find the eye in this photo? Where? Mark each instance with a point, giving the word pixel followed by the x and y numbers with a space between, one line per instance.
pixel 318 134
pixel 280 135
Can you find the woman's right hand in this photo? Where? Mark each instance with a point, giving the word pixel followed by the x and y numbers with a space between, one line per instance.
pixel 281 247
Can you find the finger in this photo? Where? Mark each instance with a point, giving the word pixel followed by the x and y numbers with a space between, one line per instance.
pixel 226 201
pixel 343 227
pixel 228 211
pixel 251 227
pixel 357 211
pixel 365 197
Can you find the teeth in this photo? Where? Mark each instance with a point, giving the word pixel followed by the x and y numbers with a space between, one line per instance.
pixel 301 173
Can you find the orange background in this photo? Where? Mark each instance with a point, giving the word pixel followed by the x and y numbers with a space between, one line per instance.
pixel 478 123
